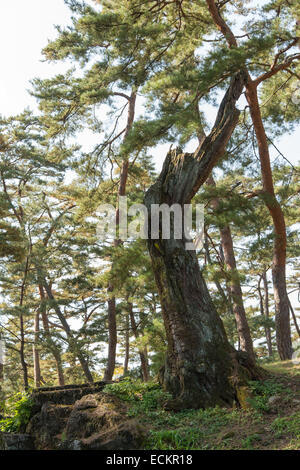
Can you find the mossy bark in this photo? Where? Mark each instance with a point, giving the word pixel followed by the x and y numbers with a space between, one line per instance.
pixel 201 368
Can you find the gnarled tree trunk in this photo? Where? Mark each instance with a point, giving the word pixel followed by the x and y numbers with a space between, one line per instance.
pixel 201 368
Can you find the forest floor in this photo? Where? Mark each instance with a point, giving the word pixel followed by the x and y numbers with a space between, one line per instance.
pixel 271 422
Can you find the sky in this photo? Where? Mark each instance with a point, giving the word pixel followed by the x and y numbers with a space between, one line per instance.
pixel 25 28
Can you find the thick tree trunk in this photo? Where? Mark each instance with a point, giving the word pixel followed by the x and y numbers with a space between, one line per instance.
pixel 111 303
pixel 142 353
pixel 35 350
pixel 201 368
pixel 282 310
pixel 245 340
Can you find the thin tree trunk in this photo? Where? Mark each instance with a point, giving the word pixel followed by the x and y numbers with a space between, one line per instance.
pixel 226 298
pixel 50 343
pixel 1 360
pixel 35 350
pixel 127 345
pixel 244 335
pixel 111 303
pixel 294 319
pixel 72 342
pixel 22 331
pixel 201 368
pixel 267 313
pixel 142 353
pixel 216 281
pixel 282 310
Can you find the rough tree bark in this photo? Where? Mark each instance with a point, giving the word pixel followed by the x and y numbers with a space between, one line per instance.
pixel 245 340
pixel 202 369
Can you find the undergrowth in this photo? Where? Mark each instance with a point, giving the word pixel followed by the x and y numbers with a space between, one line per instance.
pixel 263 425
pixel 19 407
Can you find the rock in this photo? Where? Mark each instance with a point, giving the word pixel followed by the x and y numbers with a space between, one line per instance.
pixel 86 402
pixel 45 427
pixel 274 400
pixel 9 441
pixel 94 422
pixel 75 445
pixel 66 395
pixel 125 436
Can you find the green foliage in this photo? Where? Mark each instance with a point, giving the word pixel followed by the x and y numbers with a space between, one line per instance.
pixel 117 50
pixel 247 443
pixel 179 439
pixel 187 430
pixel 20 406
pixel 287 424
pixel 262 391
pixel 143 397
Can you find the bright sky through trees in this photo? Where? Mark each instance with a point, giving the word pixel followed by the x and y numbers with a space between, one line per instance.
pixel 25 27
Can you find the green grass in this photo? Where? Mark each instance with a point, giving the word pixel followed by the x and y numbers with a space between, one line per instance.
pixel 262 426
pixel 284 367
pixel 287 425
